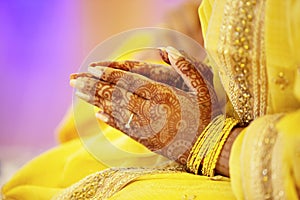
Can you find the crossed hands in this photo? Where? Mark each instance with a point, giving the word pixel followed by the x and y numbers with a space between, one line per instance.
pixel 162 106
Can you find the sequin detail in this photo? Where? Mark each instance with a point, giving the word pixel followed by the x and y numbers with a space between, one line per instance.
pixel 241 55
pixel 104 184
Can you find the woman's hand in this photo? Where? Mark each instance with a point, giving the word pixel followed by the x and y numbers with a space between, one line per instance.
pixel 156 72
pixel 163 115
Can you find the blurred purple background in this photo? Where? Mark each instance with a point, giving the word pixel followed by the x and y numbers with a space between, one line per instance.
pixel 41 43
pixel 40 47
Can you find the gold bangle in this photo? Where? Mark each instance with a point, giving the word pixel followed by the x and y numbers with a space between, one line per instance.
pixel 213 136
pixel 193 160
pixel 209 136
pixel 211 159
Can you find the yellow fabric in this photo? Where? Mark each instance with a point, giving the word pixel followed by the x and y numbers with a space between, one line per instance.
pixel 297 85
pixel 285 161
pixel 48 174
pixel 282 49
pixel 31 192
pixel 51 172
pixel 66 130
pixel 282 39
pixel 290 140
pixel 66 164
pixel 282 27
pixel 234 169
pixel 176 186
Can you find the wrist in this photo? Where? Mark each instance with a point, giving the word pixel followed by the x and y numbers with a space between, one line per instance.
pixel 222 166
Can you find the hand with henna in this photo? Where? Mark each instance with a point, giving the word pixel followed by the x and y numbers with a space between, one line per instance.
pixel 163 107
pixel 156 72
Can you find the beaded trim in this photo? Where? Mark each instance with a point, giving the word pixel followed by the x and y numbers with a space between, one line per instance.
pixel 104 184
pixel 260 165
pixel 242 57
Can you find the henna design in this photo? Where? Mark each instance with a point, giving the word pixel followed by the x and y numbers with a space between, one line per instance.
pixel 154 105
pixel 192 73
pixel 156 72
pixel 166 119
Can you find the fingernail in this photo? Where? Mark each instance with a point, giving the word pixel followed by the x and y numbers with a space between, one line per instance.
pixel 96 71
pixel 76 83
pixel 102 117
pixel 83 96
pixel 74 76
pixel 161 48
pixel 164 55
pixel 173 53
pixel 93 64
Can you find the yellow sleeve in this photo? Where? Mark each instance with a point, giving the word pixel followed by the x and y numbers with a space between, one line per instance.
pixel 264 160
pixel 288 128
pixel 234 163
pixel 282 41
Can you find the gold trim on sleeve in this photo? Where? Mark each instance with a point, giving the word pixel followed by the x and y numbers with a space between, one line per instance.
pixel 242 57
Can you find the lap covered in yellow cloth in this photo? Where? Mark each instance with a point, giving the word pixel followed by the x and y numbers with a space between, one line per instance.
pixel 49 174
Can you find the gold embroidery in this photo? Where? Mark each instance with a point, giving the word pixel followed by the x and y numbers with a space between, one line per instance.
pixel 261 163
pixel 104 184
pixel 189 197
pixel 265 156
pixel 281 81
pixel 242 57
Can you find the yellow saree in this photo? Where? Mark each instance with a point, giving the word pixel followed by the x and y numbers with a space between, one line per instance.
pixel 275 58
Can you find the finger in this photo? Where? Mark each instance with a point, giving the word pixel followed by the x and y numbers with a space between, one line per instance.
pixel 127 65
pixel 115 102
pixel 131 124
pixel 99 93
pixel 204 90
pixel 164 56
pixel 150 123
pixel 142 68
pixel 202 68
pixel 107 96
pixel 88 88
pixel 123 120
pixel 117 119
pixel 156 72
pixel 191 76
pixel 133 83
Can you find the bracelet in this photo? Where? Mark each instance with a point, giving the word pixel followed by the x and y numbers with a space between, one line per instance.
pixel 208 146
pixel 204 143
pixel 211 159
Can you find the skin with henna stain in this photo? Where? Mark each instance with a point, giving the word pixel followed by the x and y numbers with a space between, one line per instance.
pixel 143 101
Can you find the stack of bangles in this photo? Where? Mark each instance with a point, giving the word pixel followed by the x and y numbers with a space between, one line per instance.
pixel 208 146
